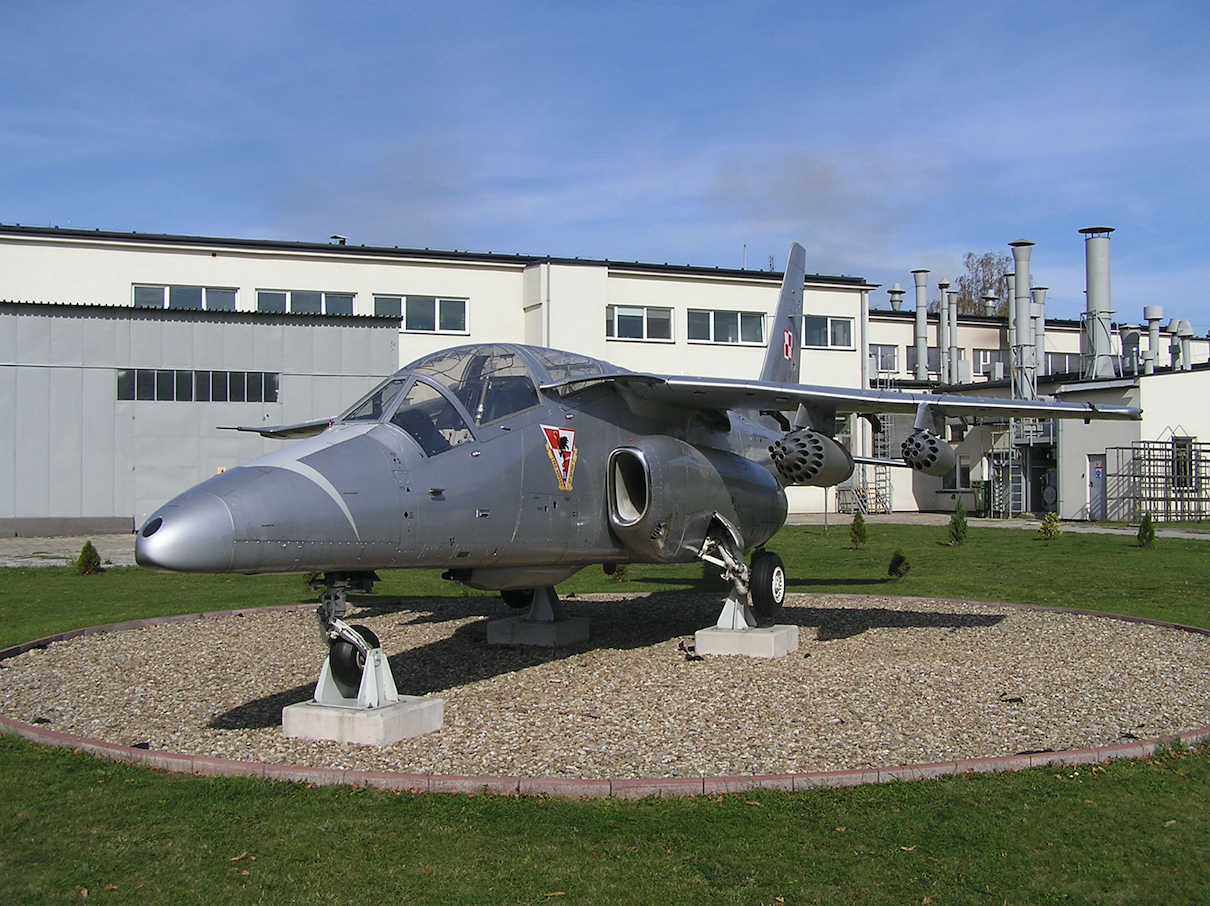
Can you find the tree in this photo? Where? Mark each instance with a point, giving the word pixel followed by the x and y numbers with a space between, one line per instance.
pixel 984 273
pixel 957 527
pixel 857 531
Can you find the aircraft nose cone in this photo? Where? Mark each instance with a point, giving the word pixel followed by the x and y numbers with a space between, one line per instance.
pixel 191 534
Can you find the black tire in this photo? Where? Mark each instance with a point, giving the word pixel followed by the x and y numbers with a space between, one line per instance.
pixel 518 597
pixel 768 587
pixel 348 663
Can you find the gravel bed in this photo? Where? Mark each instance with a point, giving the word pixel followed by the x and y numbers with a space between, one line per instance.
pixel 877 681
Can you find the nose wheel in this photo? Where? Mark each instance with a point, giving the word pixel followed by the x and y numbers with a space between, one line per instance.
pixel 348 660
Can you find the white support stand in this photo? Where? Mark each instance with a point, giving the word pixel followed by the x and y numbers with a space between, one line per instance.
pixel 544 625
pixel 738 633
pixel 378 716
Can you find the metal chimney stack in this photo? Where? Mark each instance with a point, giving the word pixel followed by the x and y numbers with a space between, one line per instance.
pixel 943 331
pixel 922 308
pixel 1038 312
pixel 1011 363
pixel 953 347
pixel 1025 379
pixel 1153 315
pixel 989 304
pixel 1098 361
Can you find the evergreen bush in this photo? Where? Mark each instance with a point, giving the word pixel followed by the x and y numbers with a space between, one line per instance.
pixel 857 531
pixel 89 561
pixel 958 524
pixel 899 565
pixel 1049 529
pixel 1146 534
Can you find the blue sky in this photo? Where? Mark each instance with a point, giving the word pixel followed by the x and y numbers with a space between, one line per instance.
pixel 883 136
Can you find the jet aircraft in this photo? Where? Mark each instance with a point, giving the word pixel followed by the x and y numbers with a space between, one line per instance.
pixel 512 467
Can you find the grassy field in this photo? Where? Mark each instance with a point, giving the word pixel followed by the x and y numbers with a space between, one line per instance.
pixel 73 827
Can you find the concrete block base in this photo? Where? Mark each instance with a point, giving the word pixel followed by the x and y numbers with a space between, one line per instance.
pixel 524 631
pixel 766 641
pixel 410 716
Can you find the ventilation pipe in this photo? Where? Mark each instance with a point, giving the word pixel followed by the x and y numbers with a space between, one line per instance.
pixel 943 332
pixel 1038 313
pixel 990 300
pixel 1098 317
pixel 1011 280
pixel 1186 335
pixel 955 377
pixel 896 294
pixel 922 345
pixel 1153 315
pixel 1131 335
pixel 1026 378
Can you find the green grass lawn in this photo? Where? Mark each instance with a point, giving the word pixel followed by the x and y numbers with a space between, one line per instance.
pixel 1132 832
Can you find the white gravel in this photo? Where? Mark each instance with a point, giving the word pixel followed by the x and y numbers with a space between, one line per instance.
pixel 877 681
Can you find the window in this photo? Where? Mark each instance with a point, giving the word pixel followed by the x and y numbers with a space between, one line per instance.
pixel 432 420
pixel 1062 363
pixel 726 326
pixel 183 297
pixel 821 331
pixel 632 322
pixel 184 386
pixel 424 313
pixel 959 478
pixel 303 302
pixel 884 358
pixel 934 360
pixel 986 361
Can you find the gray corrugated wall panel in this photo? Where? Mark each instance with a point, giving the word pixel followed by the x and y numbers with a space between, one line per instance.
pixel 268 349
pixel 32 425
pixel 238 348
pixel 97 420
pixel 33 340
pixel 66 341
pixel 297 345
pixel 8 440
pixel 177 345
pixel 327 352
pixel 65 446
pixel 100 344
pixel 146 344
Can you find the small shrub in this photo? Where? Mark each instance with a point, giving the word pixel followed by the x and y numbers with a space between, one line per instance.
pixel 899 565
pixel 1049 529
pixel 958 524
pixel 1146 534
pixel 89 561
pixel 857 531
pixel 619 574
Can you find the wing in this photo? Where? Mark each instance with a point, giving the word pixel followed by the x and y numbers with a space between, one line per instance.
pixel 722 393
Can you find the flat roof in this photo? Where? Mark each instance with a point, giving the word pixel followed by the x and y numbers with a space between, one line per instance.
pixel 454 255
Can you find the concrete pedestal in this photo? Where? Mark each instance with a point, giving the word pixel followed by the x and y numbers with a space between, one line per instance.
pixel 410 716
pixel 766 641
pixel 524 631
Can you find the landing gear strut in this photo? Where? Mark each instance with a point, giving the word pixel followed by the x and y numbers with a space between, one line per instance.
pixel 355 672
pixel 765 580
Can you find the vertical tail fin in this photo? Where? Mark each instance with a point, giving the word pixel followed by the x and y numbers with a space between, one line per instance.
pixel 785 331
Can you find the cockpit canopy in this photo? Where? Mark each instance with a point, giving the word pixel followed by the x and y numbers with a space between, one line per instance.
pixel 440 399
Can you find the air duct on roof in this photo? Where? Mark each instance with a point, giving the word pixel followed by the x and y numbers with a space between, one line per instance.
pixel 1153 315
pixel 943 331
pixel 1038 314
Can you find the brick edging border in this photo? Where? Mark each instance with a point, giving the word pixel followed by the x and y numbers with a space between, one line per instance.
pixel 572 788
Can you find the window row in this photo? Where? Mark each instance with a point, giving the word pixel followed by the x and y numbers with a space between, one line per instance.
pixel 185 386
pixel 427 313
pixel 636 322
pixel 184 298
pixel 423 313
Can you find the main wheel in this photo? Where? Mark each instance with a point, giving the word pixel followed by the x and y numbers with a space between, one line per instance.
pixel 348 663
pixel 518 597
pixel 768 586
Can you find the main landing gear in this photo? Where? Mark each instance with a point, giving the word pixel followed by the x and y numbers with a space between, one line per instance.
pixel 764 581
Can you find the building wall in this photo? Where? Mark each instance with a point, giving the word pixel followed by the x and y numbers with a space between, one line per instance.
pixel 76 456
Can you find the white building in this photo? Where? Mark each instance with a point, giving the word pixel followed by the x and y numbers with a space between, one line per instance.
pixel 121 355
